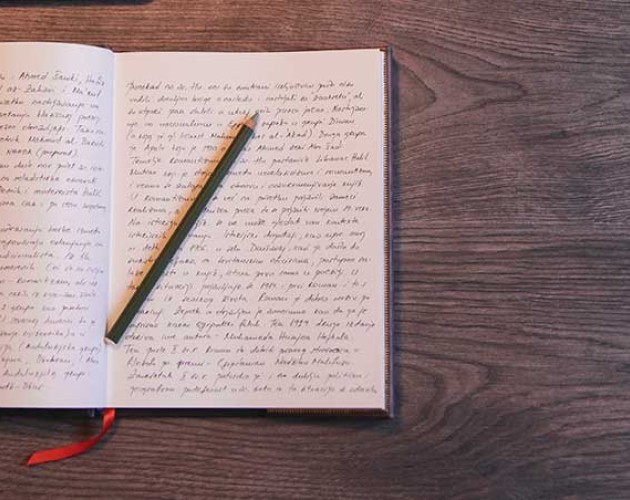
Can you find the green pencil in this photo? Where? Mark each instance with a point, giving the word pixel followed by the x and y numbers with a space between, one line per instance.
pixel 243 135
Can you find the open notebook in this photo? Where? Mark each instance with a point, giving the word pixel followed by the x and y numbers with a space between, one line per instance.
pixel 279 299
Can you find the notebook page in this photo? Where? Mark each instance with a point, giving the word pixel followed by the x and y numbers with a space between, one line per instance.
pixel 277 297
pixel 55 158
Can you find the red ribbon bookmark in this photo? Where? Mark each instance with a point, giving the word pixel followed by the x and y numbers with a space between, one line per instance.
pixel 54 454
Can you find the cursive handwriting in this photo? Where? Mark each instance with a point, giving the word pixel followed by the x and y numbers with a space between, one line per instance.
pixel 54 233
pixel 276 296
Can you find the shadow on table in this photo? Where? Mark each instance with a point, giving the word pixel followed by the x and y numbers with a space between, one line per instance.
pixel 68 3
pixel 394 129
pixel 88 420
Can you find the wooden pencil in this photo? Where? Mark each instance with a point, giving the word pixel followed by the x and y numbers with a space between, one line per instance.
pixel 180 233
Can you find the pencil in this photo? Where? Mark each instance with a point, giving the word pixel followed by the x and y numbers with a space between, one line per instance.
pixel 162 261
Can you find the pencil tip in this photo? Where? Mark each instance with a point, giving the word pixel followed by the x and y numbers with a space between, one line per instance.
pixel 251 121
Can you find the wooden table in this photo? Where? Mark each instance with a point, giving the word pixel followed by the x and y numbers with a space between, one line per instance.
pixel 512 263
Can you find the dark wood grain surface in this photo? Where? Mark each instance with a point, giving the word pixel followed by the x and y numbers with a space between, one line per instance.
pixel 512 263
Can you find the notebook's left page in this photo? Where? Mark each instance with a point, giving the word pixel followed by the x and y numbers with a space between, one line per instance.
pixel 55 159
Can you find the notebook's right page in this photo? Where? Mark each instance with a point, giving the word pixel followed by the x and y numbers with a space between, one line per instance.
pixel 278 297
